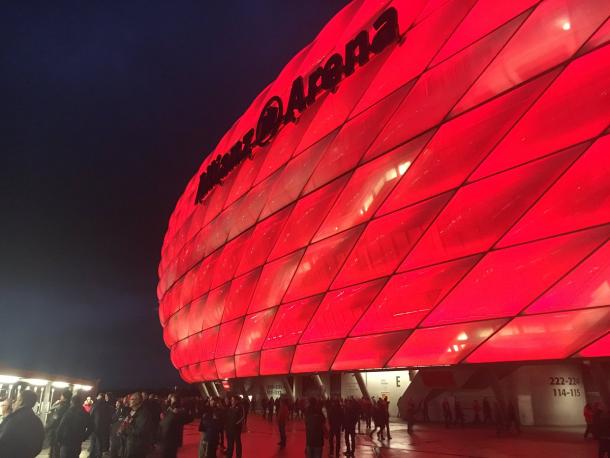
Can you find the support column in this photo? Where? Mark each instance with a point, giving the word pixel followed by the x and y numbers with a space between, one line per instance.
pixel 362 385
pixel 214 390
pixel 289 388
pixel 298 385
pixel 601 380
pixel 498 390
pixel 204 390
pixel 320 383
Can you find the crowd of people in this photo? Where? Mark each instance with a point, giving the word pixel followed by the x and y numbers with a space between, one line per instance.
pixel 138 425
pixel 135 425
pixel 129 427
pixel 334 419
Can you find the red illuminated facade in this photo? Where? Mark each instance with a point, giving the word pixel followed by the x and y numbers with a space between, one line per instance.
pixel 446 202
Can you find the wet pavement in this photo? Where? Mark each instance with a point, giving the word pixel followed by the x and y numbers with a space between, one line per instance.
pixel 429 440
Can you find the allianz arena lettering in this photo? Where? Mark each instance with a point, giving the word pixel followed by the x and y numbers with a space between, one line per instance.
pixel 326 77
pixel 445 204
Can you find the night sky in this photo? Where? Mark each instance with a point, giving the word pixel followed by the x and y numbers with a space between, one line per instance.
pixel 107 109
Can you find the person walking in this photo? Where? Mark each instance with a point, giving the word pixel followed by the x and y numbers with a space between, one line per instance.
pixel 367 412
pixel 336 424
pixel 233 427
pixel 282 418
pixel 75 427
pixel 487 417
pixel 315 429
pixel 499 417
pixel 380 416
pixel 425 412
pixel 512 418
pixel 588 414
pixel 222 415
pixel 386 403
pixel 410 416
pixel 476 408
pixel 21 432
pixel 270 407
pixel 597 418
pixel 448 417
pixel 350 420
pixel 603 435
pixel 58 410
pixel 247 406
pixel 459 413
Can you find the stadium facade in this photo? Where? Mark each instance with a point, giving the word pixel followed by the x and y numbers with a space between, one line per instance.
pixel 424 188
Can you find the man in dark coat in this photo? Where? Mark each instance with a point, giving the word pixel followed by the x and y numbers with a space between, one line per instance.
pixel 282 418
pixel 315 430
pixel 234 421
pixel 350 419
pixel 74 429
pixel 603 434
pixel 170 429
pixel 21 432
pixel 210 429
pixel 335 421
pixel 57 412
pixel 153 405
pixel 101 416
pixel 138 430
pixel 119 416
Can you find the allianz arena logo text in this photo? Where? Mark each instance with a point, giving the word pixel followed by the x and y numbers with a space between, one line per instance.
pixel 358 51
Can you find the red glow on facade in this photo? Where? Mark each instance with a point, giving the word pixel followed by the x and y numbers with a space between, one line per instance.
pixel 446 203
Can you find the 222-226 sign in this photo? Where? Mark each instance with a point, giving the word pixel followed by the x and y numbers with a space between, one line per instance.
pixel 324 78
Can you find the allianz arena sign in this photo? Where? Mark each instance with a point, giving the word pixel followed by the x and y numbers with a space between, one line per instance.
pixel 425 184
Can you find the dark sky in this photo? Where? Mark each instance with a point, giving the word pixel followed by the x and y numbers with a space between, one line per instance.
pixel 106 110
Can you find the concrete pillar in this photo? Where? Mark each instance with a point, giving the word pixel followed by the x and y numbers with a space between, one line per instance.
pixel 320 383
pixel 362 385
pixel 213 389
pixel 204 390
pixel 297 381
pixel 601 380
pixel 499 391
pixel 289 388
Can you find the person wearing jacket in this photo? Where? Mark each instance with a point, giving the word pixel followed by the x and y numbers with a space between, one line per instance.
pixel 282 418
pixel 170 429
pixel 234 421
pixel 101 417
pixel 117 440
pixel 350 420
pixel 315 430
pixel 21 432
pixel 336 423
pixel 58 410
pixel 75 427
pixel 210 430
pixel 138 429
